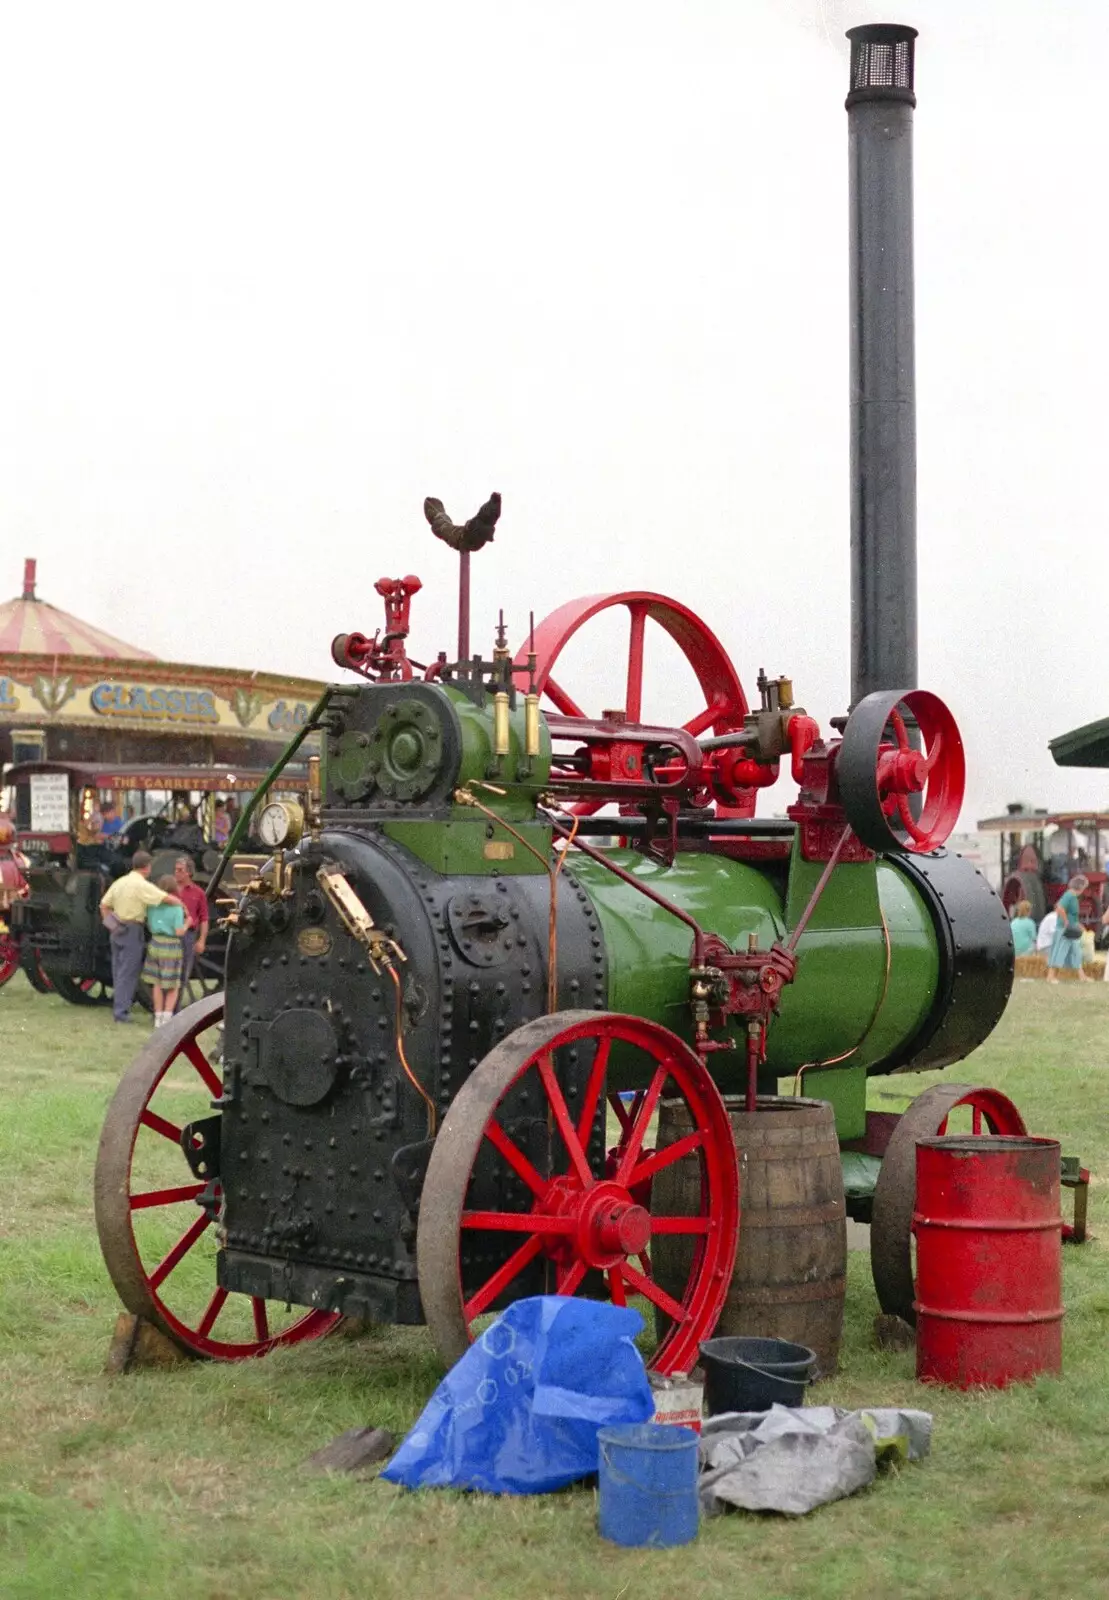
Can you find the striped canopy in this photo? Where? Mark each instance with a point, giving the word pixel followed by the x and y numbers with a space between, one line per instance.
pixel 34 627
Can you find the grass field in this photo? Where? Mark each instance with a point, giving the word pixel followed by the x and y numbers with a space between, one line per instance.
pixel 189 1482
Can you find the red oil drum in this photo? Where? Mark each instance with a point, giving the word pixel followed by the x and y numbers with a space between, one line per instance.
pixel 989 1260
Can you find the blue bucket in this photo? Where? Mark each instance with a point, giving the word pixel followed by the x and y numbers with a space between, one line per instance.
pixel 648 1484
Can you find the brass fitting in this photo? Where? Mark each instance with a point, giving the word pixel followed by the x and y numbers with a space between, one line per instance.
pixel 314 797
pixel 500 724
pixel 531 726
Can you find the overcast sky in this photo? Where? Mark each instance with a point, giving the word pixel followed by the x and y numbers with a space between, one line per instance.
pixel 272 273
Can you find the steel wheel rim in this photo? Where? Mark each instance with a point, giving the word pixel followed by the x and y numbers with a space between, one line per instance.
pixel 895 1191
pixel 579 1227
pixel 137 1283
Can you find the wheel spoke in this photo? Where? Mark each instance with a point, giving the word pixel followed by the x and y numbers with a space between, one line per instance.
pixel 503 1276
pixel 658 1159
pixel 215 1306
pixel 261 1321
pixel 593 1090
pixel 516 1158
pixel 181 1248
pixel 645 1262
pixel 644 1111
pixel 976 1120
pixel 204 1067
pixel 705 719
pixel 650 1289
pixel 168 1130
pixel 562 1119
pixel 934 753
pixel 680 1225
pixel 900 730
pixel 165 1197
pixel 633 699
pixel 616 1286
pixel 517 1222
pixel 625 1118
pixel 569 1278
pixel 562 700
pixel 908 821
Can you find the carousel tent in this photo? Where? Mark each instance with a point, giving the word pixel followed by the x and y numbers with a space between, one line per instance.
pixel 70 691
pixel 33 627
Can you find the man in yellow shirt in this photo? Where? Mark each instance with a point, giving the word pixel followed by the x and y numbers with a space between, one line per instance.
pixel 123 909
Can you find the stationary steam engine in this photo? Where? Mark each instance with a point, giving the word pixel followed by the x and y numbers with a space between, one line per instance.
pixel 502 933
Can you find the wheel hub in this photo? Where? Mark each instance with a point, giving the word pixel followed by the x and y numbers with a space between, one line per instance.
pixel 609 1226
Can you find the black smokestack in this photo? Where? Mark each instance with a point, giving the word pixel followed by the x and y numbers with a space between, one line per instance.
pixel 883 369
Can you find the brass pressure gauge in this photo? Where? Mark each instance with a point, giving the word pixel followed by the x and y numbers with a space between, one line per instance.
pixel 281 824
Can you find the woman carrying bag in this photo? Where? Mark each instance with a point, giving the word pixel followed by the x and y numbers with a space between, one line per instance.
pixel 1066 946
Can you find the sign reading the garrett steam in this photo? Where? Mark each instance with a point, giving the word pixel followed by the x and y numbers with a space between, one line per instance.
pixel 49 802
pixel 168 705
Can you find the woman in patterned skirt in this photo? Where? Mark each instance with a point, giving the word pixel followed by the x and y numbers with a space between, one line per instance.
pixel 165 954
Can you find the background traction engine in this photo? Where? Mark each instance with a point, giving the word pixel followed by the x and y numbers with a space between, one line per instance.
pixel 456 996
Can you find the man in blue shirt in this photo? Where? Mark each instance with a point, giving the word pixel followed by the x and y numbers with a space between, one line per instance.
pixel 110 820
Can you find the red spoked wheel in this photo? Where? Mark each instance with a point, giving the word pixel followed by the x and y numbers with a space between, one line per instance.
pixel 9 957
pixel 83 991
pixel 157 1238
pixel 973 1110
pixel 512 1205
pixel 879 770
pixel 725 704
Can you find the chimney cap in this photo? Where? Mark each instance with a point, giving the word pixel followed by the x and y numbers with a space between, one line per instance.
pixel 882 63
pixel 29 566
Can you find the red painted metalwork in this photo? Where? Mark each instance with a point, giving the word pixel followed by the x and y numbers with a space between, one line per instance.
pixel 382 659
pixel 725 702
pixel 577 1222
pixel 894 1193
pixel 989 1260
pixel 9 958
pixel 141 1141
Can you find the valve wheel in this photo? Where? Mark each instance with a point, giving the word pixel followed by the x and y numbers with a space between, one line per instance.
pixel 891 1224
pixel 9 958
pixel 158 1243
pixel 578 1228
pixel 878 769
pixel 725 704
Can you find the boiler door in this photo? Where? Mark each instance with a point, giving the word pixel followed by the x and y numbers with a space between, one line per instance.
pixel 298 1058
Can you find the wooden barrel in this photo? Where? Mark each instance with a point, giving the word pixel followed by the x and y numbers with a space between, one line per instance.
pixel 791 1262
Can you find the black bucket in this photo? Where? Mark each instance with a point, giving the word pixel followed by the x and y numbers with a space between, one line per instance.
pixel 754 1374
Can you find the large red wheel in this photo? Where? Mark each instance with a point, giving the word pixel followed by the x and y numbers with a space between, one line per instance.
pixel 724 702
pixel 512 1205
pixel 976 1110
pixel 9 957
pixel 156 1232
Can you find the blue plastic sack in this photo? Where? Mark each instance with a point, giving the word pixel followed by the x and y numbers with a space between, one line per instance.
pixel 520 1412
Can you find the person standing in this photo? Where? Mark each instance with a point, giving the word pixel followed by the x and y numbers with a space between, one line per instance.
pixel 195 902
pixel 164 954
pixel 123 910
pixel 1066 946
pixel 1023 929
pixel 221 824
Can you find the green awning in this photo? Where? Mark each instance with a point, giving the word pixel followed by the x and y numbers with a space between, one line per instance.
pixel 1083 747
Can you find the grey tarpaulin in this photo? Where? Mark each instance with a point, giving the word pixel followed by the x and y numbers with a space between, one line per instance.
pixel 795 1459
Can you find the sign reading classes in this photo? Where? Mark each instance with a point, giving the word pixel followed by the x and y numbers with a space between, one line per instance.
pixel 170 705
